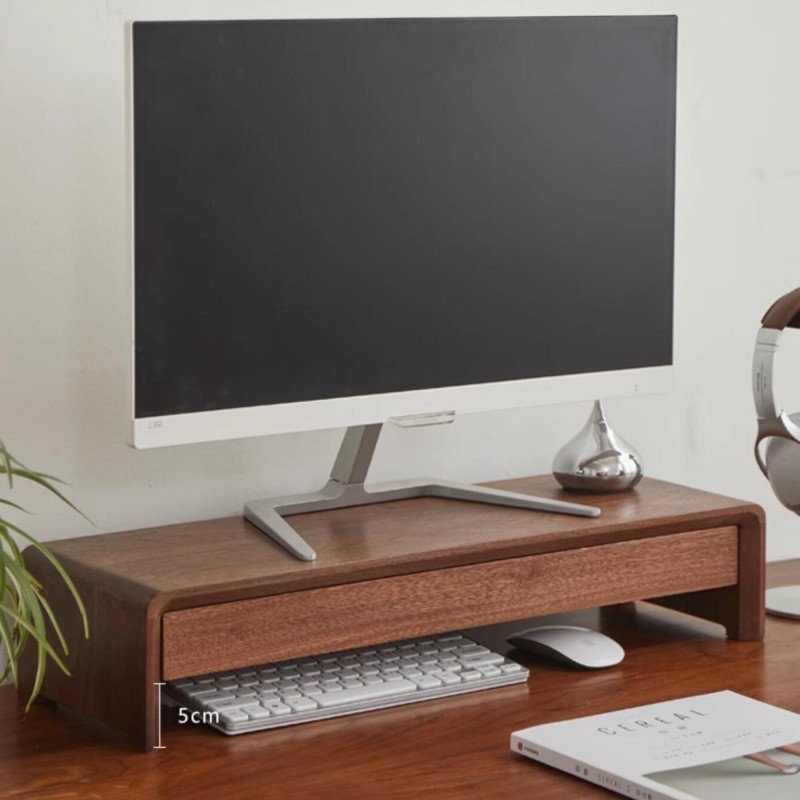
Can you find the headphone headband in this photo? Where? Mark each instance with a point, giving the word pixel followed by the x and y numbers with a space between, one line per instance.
pixel 784 312
pixel 772 420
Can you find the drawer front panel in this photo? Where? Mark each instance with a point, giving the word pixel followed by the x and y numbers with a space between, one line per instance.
pixel 274 628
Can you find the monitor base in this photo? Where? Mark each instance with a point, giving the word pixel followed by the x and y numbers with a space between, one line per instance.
pixel 346 488
pixel 784 601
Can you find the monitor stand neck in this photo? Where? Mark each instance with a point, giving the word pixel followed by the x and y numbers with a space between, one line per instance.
pixel 346 488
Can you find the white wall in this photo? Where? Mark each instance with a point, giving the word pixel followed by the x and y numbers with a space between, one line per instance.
pixel 64 282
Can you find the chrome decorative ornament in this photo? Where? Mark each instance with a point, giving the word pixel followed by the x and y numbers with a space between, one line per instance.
pixel 598 459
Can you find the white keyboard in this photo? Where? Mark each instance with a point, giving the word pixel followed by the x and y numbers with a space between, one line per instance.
pixel 348 682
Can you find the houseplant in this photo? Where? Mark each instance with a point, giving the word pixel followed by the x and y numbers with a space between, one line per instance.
pixel 24 608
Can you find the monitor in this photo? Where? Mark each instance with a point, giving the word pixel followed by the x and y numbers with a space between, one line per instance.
pixel 341 221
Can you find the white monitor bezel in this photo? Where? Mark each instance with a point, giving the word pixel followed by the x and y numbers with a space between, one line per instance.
pixel 207 426
pixel 236 423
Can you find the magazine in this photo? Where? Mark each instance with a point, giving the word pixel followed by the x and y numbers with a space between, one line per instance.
pixel 720 746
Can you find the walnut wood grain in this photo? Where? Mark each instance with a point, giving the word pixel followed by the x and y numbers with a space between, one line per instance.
pixel 449 749
pixel 131 580
pixel 112 674
pixel 740 607
pixel 212 561
pixel 227 635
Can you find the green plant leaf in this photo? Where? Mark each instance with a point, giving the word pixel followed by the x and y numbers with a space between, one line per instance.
pixel 33 621
pixel 54 622
pixel 39 634
pixel 14 460
pixel 13 505
pixel 45 482
pixel 5 458
pixel 24 608
pixel 5 535
pixel 61 571
pixel 6 637
pixel 43 650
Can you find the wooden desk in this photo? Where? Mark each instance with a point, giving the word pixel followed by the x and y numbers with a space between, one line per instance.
pixel 455 748
pixel 208 596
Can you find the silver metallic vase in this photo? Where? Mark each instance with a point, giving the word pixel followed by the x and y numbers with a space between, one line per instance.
pixel 597 459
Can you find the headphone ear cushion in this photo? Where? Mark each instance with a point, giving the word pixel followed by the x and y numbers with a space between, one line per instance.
pixel 783 469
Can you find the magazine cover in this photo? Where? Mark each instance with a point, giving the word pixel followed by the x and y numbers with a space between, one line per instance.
pixel 720 746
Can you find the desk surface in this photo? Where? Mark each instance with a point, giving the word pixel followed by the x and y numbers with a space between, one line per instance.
pixel 451 748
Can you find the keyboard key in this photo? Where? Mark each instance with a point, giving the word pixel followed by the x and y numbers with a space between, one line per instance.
pixel 411 672
pixel 362 693
pixel 309 672
pixel 278 709
pixel 302 704
pixel 481 660
pixel 472 650
pixel 236 702
pixel 258 712
pixel 196 691
pixel 426 682
pixel 207 698
pixel 233 715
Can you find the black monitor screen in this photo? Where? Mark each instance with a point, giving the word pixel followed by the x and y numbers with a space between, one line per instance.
pixel 334 208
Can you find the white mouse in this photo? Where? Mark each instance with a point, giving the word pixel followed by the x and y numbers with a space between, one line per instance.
pixel 579 647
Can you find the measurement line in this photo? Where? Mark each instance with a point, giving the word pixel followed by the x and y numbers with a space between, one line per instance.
pixel 159 746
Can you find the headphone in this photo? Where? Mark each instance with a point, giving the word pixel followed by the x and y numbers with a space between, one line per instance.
pixel 781 460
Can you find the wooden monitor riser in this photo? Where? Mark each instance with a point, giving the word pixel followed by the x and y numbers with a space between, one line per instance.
pixel 213 595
